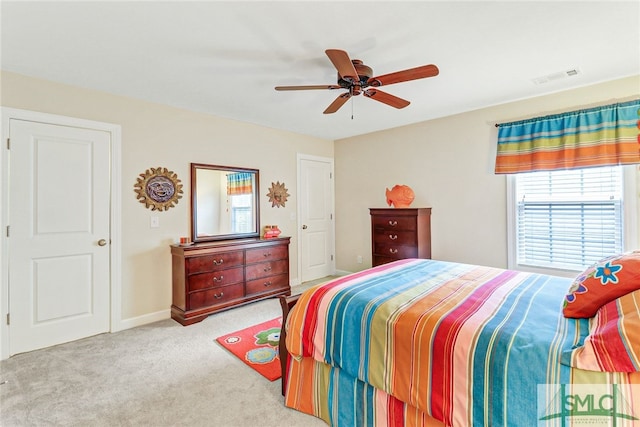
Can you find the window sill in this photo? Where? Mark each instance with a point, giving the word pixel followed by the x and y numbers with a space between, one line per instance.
pixel 546 270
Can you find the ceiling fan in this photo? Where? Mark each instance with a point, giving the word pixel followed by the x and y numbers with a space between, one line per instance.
pixel 356 77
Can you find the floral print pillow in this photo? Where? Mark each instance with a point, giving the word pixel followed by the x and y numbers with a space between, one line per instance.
pixel 601 283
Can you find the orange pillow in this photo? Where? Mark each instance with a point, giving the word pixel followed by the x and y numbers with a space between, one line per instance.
pixel 601 283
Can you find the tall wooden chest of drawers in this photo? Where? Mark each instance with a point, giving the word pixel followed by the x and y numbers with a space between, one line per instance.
pixel 209 277
pixel 400 233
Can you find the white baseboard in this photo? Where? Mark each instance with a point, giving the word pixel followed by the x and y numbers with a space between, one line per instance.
pixel 133 322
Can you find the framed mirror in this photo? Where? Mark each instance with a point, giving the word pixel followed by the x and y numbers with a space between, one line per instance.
pixel 224 202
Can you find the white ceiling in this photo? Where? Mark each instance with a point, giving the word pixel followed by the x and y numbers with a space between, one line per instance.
pixel 224 58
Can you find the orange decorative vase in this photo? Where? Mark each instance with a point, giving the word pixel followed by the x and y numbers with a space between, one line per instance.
pixel 275 231
pixel 400 196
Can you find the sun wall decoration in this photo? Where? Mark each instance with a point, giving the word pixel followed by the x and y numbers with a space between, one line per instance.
pixel 277 194
pixel 158 188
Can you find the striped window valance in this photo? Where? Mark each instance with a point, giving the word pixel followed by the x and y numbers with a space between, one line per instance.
pixel 600 136
pixel 239 183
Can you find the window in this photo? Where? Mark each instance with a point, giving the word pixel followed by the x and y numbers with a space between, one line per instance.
pixel 569 219
pixel 241 213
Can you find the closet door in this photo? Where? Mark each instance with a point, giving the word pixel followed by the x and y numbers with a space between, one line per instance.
pixel 59 195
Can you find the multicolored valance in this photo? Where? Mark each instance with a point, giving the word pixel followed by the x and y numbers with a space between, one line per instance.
pixel 607 135
pixel 239 183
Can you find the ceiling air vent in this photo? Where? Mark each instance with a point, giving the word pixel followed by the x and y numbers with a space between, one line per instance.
pixel 556 76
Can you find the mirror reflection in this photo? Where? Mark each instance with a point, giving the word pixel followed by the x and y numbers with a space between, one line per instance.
pixel 224 202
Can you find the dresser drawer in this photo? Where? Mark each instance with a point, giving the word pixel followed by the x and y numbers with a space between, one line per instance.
pixel 215 279
pixel 267 254
pixel 215 296
pixel 214 262
pixel 395 237
pixel 267 284
pixel 265 269
pixel 394 223
pixel 395 251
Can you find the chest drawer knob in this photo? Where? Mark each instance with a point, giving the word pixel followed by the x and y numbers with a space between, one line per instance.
pixel 267 268
pixel 267 284
pixel 218 262
pixel 267 254
pixel 393 223
pixel 393 236
pixel 218 279
pixel 218 296
pixel 393 251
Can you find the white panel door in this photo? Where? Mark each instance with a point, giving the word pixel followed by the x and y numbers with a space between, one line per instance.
pixel 59 185
pixel 316 219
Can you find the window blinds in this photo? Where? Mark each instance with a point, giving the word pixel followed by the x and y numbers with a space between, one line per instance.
pixel 569 219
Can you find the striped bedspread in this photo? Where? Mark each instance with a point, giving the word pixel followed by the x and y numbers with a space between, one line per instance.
pixel 466 345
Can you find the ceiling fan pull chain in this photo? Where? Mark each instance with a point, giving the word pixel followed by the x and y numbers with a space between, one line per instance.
pixel 352 108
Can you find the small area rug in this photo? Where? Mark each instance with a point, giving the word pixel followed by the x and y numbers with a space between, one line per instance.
pixel 257 346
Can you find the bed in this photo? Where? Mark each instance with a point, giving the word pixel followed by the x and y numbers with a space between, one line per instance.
pixel 431 343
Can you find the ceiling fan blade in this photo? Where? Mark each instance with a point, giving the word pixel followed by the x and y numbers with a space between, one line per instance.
pixel 310 87
pixel 405 75
pixel 337 103
pixel 343 64
pixel 386 98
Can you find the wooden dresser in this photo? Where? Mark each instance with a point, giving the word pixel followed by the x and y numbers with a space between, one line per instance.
pixel 399 233
pixel 214 276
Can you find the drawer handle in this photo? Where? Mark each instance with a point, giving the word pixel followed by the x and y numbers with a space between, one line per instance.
pixel 218 279
pixel 218 296
pixel 267 268
pixel 393 236
pixel 393 223
pixel 393 251
pixel 218 262
pixel 267 284
pixel 268 254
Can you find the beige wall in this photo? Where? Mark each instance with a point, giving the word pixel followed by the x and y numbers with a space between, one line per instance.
pixel 449 164
pixel 155 135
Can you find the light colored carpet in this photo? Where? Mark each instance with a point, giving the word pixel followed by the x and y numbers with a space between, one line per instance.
pixel 161 374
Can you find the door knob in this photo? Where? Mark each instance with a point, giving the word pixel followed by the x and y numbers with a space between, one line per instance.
pixel 102 242
pixel 304 227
